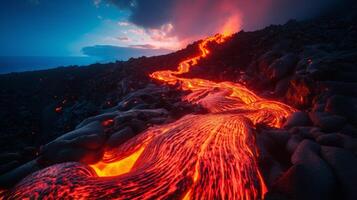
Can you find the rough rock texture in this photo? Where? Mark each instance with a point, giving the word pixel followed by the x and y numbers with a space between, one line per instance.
pixel 114 126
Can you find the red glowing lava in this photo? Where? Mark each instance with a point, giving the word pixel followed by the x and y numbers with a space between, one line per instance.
pixel 211 156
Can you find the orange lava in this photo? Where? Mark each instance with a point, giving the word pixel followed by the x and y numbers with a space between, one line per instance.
pixel 118 167
pixel 210 156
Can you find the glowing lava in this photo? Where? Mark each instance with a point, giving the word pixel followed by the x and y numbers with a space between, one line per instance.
pixel 211 156
pixel 117 168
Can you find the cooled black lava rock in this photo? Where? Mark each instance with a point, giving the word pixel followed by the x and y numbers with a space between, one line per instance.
pixel 297 119
pixel 344 165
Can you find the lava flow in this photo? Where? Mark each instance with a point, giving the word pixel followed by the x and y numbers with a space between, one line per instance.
pixel 210 156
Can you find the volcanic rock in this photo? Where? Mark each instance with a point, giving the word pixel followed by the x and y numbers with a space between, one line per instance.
pixel 301 91
pixel 350 130
pixel 340 88
pixel 293 143
pixel 270 167
pixel 307 151
pixel 279 137
pixel 92 141
pixel 331 139
pixel 120 137
pixel 282 66
pixel 327 122
pixel 351 145
pixel 306 132
pixel 157 120
pixel 314 179
pixel 282 87
pixel 311 179
pixel 344 106
pixel 297 119
pixel 12 177
pixel 137 125
pixel 101 117
pixel 7 157
pixel 318 107
pixel 8 166
pixel 344 165
pixel 76 145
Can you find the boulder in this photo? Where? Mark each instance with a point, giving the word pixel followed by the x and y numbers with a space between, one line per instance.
pixel 157 120
pixel 137 125
pixel 102 117
pixel 311 178
pixel 343 106
pixel 129 103
pixel 282 188
pixel 282 86
pixel 269 166
pixel 327 122
pixel 281 67
pixel 350 130
pixel 292 143
pixel 318 107
pixel 266 59
pixel 146 114
pixel 301 91
pixel 279 137
pixel 304 182
pixel 92 141
pixel 307 151
pixel 79 145
pixel 316 132
pixel 298 118
pixel 351 145
pixel 303 131
pixel 344 165
pixel 68 153
pixel 12 177
pixel 94 127
pixel 118 138
pixel 124 117
pixel 332 139
pixel 340 88
pixel 320 69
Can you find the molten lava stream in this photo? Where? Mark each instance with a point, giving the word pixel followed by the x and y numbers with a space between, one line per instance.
pixel 211 156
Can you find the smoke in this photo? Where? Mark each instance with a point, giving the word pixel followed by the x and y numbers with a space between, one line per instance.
pixel 192 19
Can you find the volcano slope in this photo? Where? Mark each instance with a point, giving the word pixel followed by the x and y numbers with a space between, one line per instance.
pixel 234 144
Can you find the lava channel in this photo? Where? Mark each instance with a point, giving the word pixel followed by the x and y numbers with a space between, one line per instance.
pixel 210 156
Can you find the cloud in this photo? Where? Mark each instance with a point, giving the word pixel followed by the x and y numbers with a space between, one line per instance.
pixel 146 13
pixel 137 31
pixel 124 38
pixel 123 23
pixel 192 19
pixel 109 52
pixel 143 46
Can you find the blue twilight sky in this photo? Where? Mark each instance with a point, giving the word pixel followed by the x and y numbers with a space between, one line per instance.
pixel 64 28
pixel 124 28
pixel 48 28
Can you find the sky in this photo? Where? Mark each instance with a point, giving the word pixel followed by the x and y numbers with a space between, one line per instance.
pixel 67 28
pixel 126 28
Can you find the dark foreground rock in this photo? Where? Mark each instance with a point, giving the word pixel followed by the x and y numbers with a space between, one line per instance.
pixel 94 135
